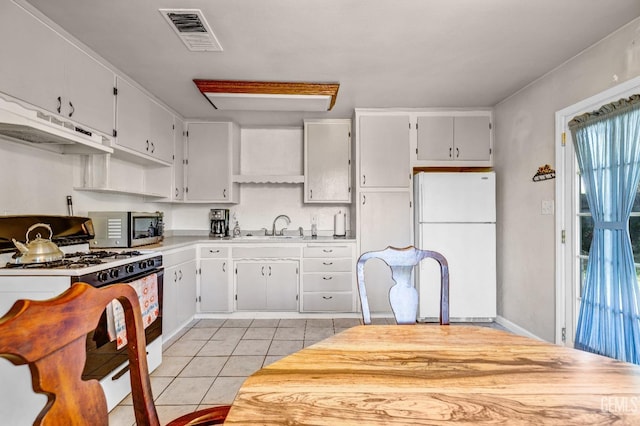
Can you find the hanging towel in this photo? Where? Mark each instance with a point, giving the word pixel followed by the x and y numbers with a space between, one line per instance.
pixel 147 289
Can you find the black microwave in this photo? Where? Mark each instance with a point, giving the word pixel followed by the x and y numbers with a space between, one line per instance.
pixel 126 229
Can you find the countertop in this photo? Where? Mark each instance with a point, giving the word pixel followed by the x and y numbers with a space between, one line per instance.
pixel 178 241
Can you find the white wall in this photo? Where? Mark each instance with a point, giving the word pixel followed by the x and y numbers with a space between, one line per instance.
pixel 524 141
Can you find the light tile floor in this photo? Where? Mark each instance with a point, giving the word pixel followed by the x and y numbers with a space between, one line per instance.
pixel 208 362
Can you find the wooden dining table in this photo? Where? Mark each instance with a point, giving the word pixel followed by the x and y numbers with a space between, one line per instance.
pixel 429 374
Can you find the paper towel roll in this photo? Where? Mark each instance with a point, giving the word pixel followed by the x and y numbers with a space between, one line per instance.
pixel 339 224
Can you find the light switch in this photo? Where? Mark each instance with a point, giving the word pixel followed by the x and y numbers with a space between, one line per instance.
pixel 547 207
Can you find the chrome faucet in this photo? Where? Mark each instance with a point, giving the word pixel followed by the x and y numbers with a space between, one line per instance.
pixel 273 228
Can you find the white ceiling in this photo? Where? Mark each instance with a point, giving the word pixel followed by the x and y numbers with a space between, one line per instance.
pixel 384 53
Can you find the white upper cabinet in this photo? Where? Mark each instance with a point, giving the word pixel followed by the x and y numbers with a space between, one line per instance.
pixel 49 72
pixel 177 192
pixel 162 131
pixel 384 151
pixel 89 95
pixel 443 139
pixel 327 161
pixel 142 125
pixel 212 160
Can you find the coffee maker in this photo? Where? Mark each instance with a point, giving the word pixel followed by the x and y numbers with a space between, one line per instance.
pixel 219 221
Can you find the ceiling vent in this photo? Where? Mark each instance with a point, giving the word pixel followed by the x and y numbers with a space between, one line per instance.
pixel 193 29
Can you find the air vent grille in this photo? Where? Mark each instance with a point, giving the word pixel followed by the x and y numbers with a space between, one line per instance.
pixel 187 22
pixel 192 28
pixel 114 228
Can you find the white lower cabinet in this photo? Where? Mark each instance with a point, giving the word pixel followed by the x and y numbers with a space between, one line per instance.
pixel 327 281
pixel 266 285
pixel 180 291
pixel 214 279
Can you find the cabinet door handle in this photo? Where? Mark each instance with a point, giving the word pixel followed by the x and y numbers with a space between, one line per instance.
pixel 59 108
pixel 224 193
pixel 177 192
pixel 72 109
pixel 153 147
pixel 180 274
pixel 224 266
pixel 364 199
pixel 147 144
pixel 457 152
pixel 327 250
pixel 327 278
pixel 214 251
pixel 311 194
pixel 450 152
pixel 327 263
pixel 269 270
pixel 175 276
pixel 364 179
pixel 262 271
pixel 327 297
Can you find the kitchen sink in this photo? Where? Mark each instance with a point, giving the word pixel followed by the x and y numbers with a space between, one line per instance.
pixel 268 237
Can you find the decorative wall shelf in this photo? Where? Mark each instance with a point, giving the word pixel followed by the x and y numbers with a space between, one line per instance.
pixel 544 176
pixel 119 191
pixel 132 156
pixel 293 179
pixel 544 173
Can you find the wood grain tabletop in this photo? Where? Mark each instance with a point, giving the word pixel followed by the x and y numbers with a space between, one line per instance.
pixel 430 374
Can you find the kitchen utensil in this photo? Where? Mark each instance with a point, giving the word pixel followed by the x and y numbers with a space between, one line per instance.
pixel 39 250
pixel 69 205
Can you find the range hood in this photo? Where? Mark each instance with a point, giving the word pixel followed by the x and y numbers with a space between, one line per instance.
pixel 50 132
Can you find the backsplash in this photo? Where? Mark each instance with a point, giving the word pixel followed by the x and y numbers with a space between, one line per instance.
pixel 259 205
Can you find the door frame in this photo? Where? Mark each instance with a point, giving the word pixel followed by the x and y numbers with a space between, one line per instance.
pixel 566 169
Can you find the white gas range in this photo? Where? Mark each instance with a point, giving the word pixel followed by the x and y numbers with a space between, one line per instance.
pixel 44 280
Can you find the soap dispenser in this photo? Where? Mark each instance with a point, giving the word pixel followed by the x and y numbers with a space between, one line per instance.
pixel 236 227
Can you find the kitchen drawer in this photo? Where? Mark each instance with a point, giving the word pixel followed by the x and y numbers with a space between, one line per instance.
pixel 266 252
pixel 327 251
pixel 213 252
pixel 338 281
pixel 327 301
pixel 327 265
pixel 176 257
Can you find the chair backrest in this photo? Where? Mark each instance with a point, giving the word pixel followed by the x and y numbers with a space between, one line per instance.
pixel 403 296
pixel 50 336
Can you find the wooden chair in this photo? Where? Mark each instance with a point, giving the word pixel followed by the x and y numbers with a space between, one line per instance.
pixel 50 336
pixel 403 296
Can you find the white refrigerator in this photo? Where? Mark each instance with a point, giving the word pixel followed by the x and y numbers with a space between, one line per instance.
pixel 455 215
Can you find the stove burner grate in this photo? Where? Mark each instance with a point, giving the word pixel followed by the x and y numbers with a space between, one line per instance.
pixel 77 260
pixel 63 263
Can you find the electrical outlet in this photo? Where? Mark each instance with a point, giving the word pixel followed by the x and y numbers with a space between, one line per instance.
pixel 547 207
